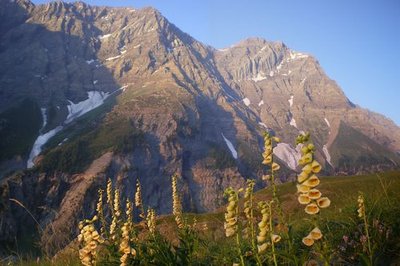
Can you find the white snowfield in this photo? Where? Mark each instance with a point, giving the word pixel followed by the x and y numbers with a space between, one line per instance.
pixel 230 146
pixel 95 99
pixel 75 110
pixel 325 147
pixel 327 155
pixel 288 154
pixel 246 101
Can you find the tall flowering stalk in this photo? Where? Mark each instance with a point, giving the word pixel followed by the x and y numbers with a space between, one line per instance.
pixel 231 225
pixel 138 200
pixel 268 208
pixel 176 203
pixel 125 247
pixel 249 214
pixel 115 221
pixel 109 191
pixel 307 182
pixel 151 221
pixel 268 160
pixel 100 213
pixel 89 240
pixel 263 228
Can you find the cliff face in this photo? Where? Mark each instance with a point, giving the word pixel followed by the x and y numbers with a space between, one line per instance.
pixel 98 92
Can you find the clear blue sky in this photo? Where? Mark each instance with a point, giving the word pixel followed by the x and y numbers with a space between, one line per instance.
pixel 357 42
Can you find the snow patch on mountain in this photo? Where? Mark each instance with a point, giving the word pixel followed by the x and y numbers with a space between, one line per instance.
pixel 259 77
pixel 279 66
pixel 293 122
pixel 44 116
pixel 101 37
pixel 263 125
pixel 39 142
pixel 288 154
pixel 327 122
pixel 230 146
pixel 75 110
pixel 246 101
pixel 296 55
pixel 327 155
pixel 112 58
pixel 95 99
pixel 291 100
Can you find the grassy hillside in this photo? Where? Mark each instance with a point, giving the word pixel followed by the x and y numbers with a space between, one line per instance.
pixel 339 221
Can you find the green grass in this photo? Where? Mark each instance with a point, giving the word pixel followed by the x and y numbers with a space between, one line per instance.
pixel 382 197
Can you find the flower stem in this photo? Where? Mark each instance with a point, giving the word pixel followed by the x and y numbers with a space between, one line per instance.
pixel 368 238
pixel 271 228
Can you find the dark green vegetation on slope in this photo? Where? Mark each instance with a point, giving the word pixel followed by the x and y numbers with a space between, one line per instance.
pixel 115 134
pixel 19 127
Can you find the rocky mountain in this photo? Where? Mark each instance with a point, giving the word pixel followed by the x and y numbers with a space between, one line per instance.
pixel 90 93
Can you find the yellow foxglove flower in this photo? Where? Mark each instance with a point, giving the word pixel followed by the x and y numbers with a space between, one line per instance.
pixel 307 158
pixel 307 169
pixel 308 241
pixel 316 234
pixel 267 160
pixel 314 194
pixel 302 188
pixel 313 181
pixel 312 208
pixel 263 247
pixel 302 177
pixel 275 238
pixel 267 152
pixel 316 167
pixel 267 141
pixel 275 167
pixel 261 239
pixel 304 149
pixel 311 147
pixel 276 139
pixel 323 202
pixel 304 199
